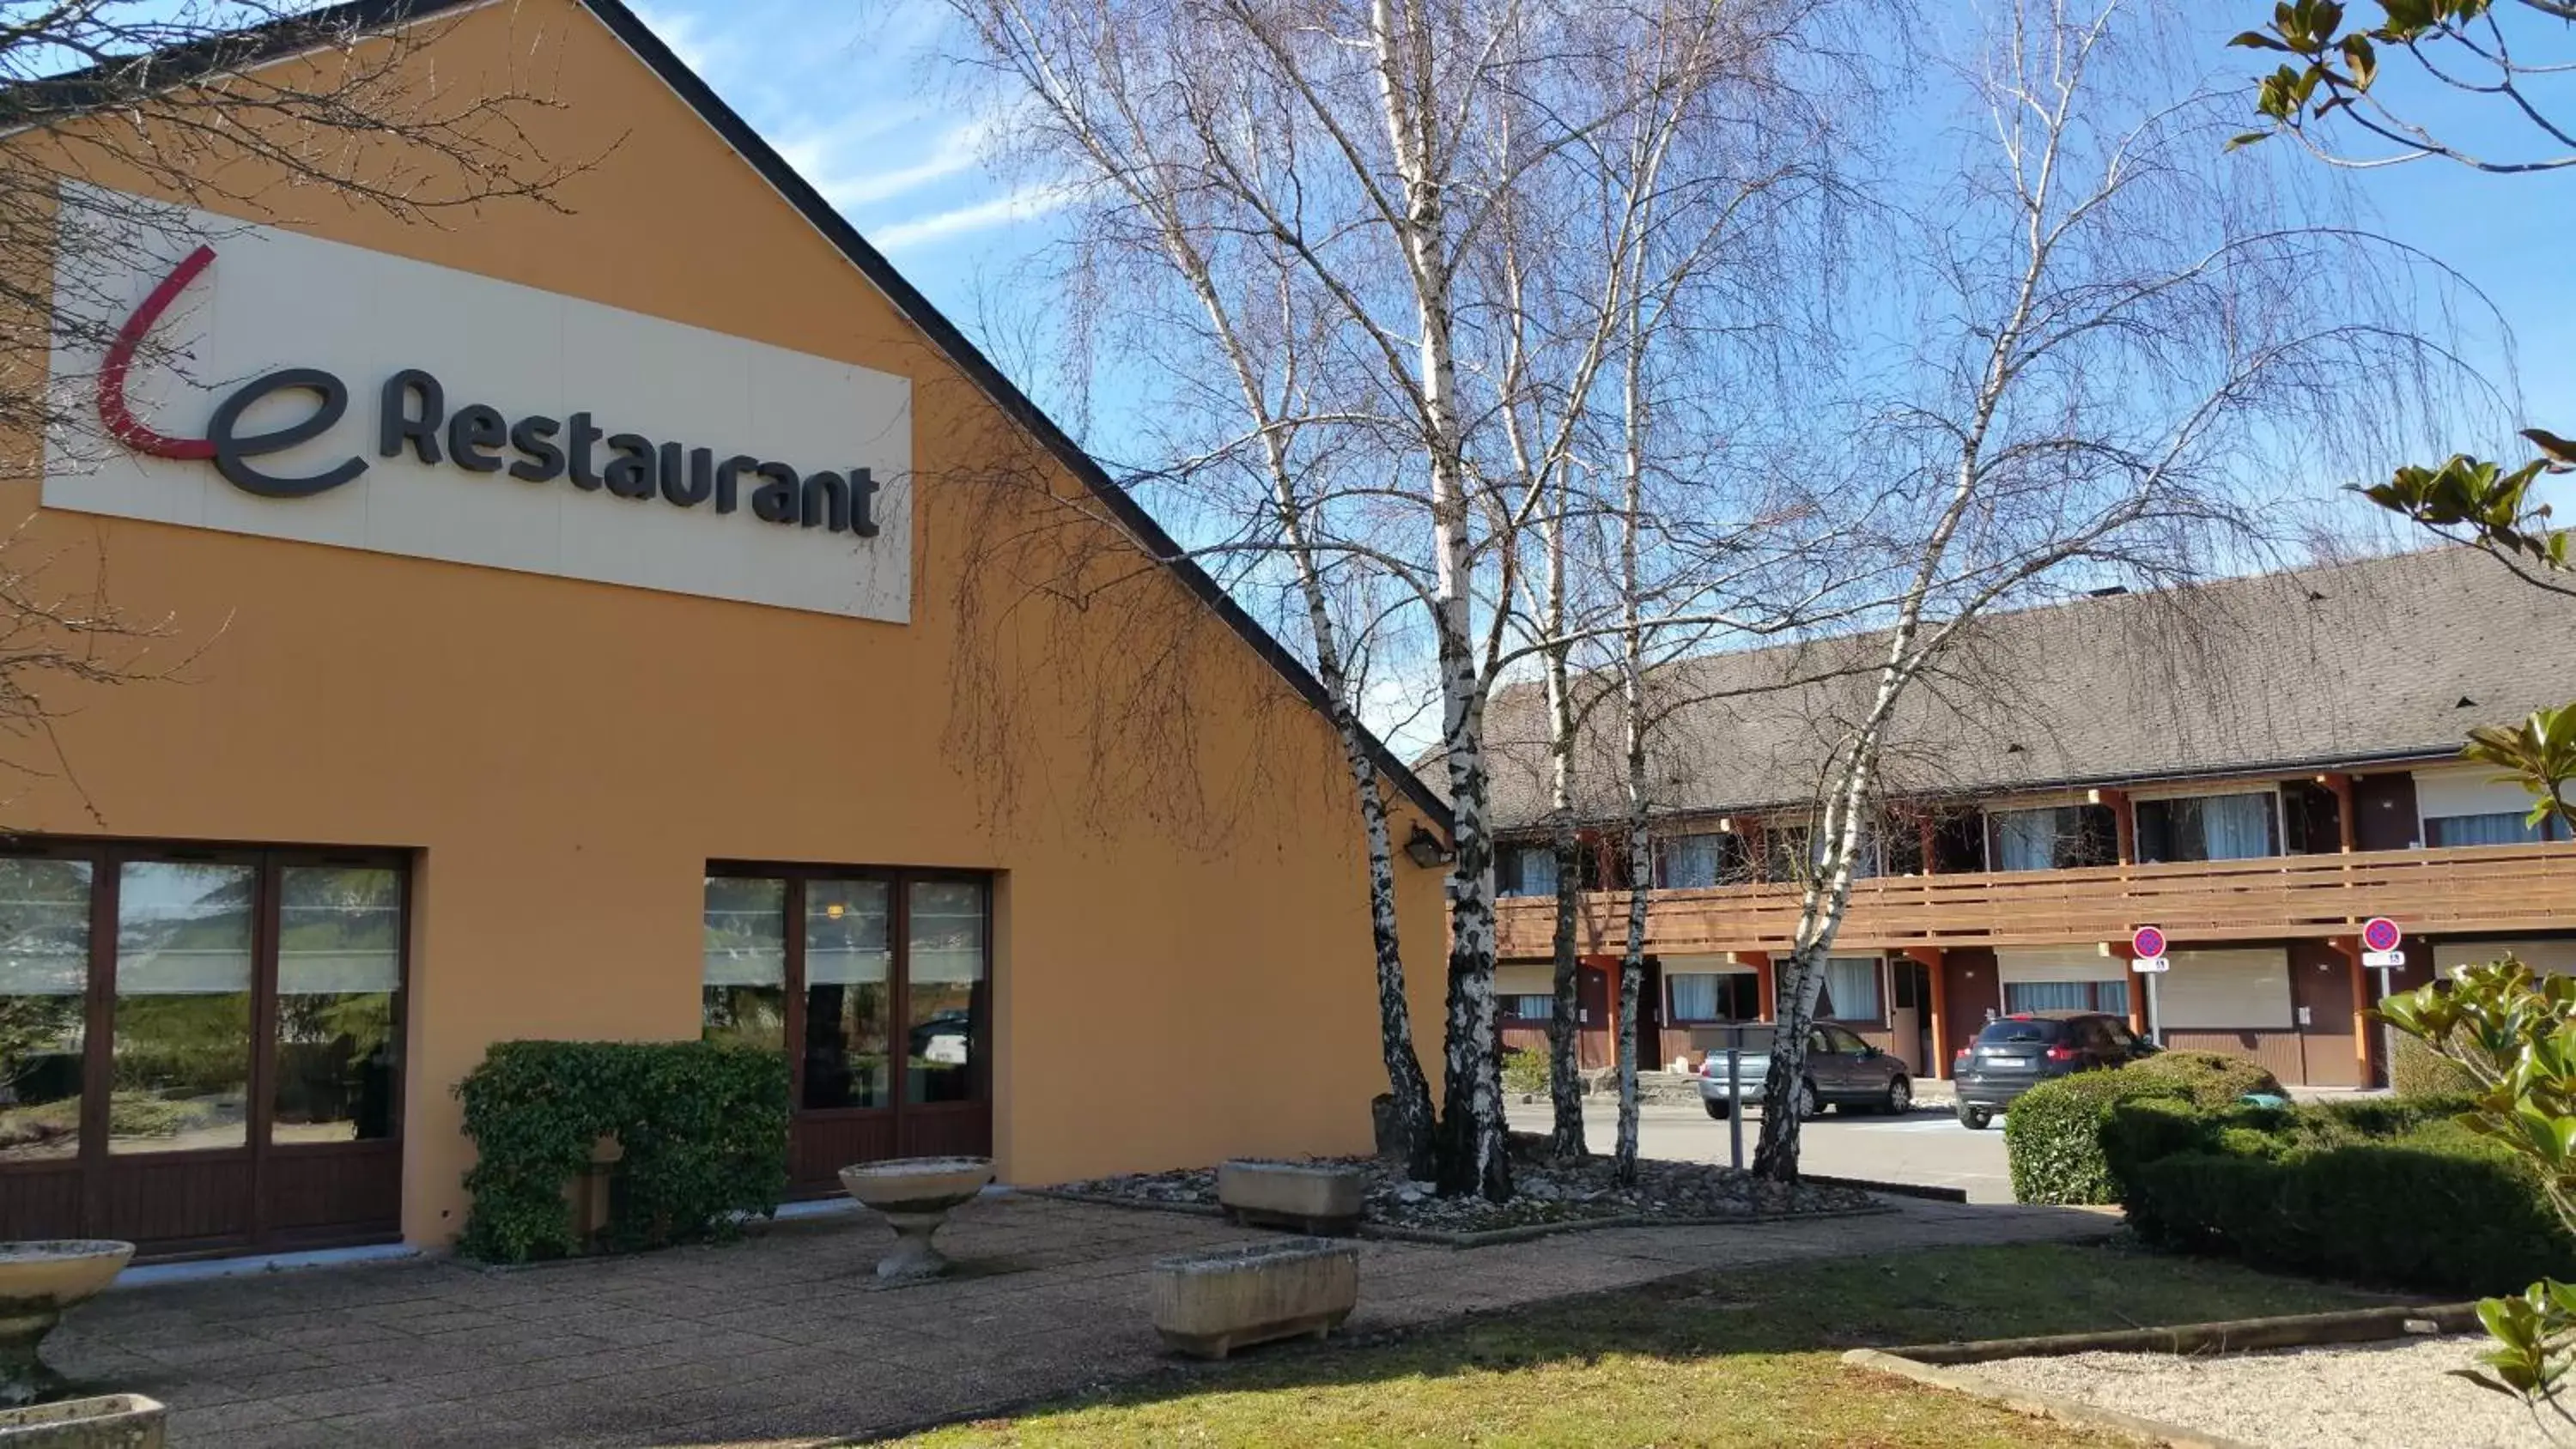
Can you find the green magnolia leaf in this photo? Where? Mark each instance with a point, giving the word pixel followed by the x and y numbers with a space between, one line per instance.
pixel 2257 40
pixel 2561 452
pixel 2361 59
pixel 2246 138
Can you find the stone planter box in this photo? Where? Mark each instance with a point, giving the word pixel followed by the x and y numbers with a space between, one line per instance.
pixel 114 1421
pixel 1210 1304
pixel 1306 1197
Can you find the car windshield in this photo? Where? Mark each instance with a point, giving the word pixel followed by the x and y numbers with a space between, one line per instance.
pixel 2009 1029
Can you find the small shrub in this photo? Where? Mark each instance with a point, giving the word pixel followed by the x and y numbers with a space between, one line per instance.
pixel 2053 1134
pixel 1525 1071
pixel 2436 1208
pixel 703 1128
pixel 2418 1070
pixel 2211 1079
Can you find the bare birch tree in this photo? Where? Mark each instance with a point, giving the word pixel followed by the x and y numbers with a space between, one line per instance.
pixel 2121 331
pixel 1366 157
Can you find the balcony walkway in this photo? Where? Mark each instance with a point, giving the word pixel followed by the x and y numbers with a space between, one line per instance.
pixel 2482 889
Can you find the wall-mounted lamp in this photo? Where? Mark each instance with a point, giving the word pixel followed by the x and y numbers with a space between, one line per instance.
pixel 1425 850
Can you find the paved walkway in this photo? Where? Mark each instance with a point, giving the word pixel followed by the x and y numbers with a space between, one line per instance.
pixel 784 1338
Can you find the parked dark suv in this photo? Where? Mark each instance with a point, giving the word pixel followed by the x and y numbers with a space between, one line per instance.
pixel 2018 1052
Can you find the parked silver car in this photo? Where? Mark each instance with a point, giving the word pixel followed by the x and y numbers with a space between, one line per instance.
pixel 1842 1071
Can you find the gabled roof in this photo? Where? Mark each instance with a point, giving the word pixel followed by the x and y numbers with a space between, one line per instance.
pixel 2380 661
pixel 284 37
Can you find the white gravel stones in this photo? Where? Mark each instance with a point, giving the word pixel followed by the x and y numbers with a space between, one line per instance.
pixel 2397 1395
pixel 1547 1193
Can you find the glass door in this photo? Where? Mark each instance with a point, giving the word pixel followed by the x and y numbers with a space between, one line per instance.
pixel 200 1048
pixel 875 984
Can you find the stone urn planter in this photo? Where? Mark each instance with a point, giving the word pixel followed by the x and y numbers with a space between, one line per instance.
pixel 1308 1197
pixel 113 1421
pixel 915 1194
pixel 1210 1304
pixel 38 1280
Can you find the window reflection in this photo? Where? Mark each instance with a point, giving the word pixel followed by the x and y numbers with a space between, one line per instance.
pixel 849 961
pixel 945 964
pixel 743 991
pixel 44 977
pixel 181 1049
pixel 339 979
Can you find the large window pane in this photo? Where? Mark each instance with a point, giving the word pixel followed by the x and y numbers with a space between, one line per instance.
pixel 183 996
pixel 849 994
pixel 742 995
pixel 945 962
pixel 1851 988
pixel 44 972
pixel 339 982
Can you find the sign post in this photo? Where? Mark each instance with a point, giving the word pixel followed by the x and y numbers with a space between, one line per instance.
pixel 2381 951
pixel 2147 960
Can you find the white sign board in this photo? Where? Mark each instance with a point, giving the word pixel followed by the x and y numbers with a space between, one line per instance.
pixel 477 422
pixel 2150 965
pixel 2383 960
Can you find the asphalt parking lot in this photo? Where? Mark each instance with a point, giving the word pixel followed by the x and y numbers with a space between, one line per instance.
pixel 1926 1146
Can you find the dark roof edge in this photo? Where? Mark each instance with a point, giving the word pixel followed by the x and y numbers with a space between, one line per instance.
pixel 2428 754
pixel 283 37
pixel 943 334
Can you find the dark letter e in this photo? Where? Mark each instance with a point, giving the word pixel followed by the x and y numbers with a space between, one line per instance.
pixel 231 452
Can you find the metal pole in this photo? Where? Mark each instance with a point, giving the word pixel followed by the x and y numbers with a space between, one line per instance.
pixel 1735 1105
pixel 2155 1018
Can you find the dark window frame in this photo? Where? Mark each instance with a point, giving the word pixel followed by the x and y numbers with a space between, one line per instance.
pixel 898 880
pixel 105 856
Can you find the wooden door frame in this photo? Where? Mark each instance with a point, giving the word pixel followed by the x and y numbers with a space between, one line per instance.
pixel 899 1109
pixel 94 1161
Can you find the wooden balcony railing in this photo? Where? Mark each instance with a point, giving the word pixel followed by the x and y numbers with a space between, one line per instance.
pixel 2489 888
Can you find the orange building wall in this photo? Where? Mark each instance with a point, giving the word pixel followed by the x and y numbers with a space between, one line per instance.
pixel 1183 964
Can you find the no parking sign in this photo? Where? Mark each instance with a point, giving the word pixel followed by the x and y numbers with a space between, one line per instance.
pixel 2379 941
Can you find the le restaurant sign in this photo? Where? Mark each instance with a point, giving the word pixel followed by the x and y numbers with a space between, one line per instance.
pixel 507 428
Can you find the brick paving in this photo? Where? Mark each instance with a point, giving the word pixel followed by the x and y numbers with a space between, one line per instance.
pixel 783 1339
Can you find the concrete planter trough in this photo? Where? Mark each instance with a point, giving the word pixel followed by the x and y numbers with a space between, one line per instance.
pixel 113 1421
pixel 1307 1197
pixel 1210 1304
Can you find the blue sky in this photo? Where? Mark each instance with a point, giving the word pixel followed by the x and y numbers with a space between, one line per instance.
pixel 857 98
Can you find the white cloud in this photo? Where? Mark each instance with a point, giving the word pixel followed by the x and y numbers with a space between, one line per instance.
pixel 1024 204
pixel 690 40
pixel 831 161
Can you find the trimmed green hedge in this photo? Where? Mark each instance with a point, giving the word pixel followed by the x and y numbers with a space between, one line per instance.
pixel 2053 1133
pixel 2378 1191
pixel 1525 1071
pixel 703 1128
pixel 2418 1069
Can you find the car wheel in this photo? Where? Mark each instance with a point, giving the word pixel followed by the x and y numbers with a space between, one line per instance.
pixel 1809 1109
pixel 1974 1118
pixel 1900 1097
pixel 1716 1108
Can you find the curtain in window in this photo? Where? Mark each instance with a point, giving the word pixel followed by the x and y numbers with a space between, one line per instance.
pixel 1538 1007
pixel 1694 996
pixel 2050 996
pixel 2503 828
pixel 2111 996
pixel 2236 827
pixel 1851 988
pixel 2025 839
pixel 1690 862
pixel 1538 870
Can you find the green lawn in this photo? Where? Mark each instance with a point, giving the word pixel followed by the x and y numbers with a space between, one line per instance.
pixel 1736 1360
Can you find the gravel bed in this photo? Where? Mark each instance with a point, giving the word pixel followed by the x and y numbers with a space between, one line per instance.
pixel 1545 1192
pixel 2398 1395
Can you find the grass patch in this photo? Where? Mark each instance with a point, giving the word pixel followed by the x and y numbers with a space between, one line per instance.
pixel 1737 1359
